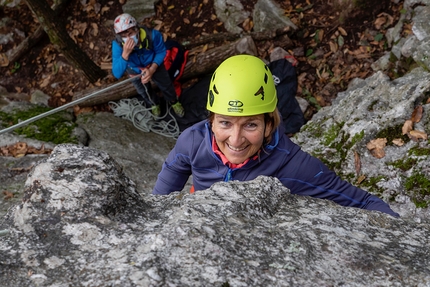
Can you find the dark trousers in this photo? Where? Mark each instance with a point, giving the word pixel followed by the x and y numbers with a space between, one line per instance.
pixel 162 79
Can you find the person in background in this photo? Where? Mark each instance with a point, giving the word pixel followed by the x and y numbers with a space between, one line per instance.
pixel 140 50
pixel 243 138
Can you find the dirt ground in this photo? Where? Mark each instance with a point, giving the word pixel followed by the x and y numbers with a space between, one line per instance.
pixel 329 53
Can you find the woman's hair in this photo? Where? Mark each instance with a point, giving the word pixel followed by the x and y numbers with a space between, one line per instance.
pixel 272 120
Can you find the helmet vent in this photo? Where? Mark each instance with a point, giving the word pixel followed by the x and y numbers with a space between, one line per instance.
pixel 215 89
pixel 265 78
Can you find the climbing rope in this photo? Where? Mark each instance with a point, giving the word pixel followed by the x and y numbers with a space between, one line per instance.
pixel 142 117
pixel 130 109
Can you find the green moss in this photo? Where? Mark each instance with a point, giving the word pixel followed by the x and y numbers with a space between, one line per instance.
pixel 404 164
pixel 331 134
pixel 419 151
pixel 371 107
pixel 391 133
pixel 371 184
pixel 55 128
pixel 419 187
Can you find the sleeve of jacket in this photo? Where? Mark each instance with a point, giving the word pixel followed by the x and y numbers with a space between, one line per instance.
pixel 119 65
pixel 159 47
pixel 311 177
pixel 177 168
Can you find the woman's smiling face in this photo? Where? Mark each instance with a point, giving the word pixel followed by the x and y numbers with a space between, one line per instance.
pixel 239 138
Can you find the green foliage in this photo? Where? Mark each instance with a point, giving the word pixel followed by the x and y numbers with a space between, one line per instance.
pixel 15 68
pixel 55 128
pixel 379 37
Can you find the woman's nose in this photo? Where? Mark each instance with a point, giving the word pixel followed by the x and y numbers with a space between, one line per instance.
pixel 236 137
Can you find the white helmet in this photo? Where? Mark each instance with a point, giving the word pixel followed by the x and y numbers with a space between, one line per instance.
pixel 123 22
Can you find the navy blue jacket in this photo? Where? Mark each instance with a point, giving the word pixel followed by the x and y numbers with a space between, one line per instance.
pixel 302 173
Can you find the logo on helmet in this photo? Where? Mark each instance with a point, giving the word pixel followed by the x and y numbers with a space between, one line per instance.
pixel 260 92
pixel 236 106
pixel 235 103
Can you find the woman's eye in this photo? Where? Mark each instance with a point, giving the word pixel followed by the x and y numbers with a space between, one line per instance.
pixel 251 125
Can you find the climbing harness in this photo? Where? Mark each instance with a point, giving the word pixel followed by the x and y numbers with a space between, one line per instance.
pixel 130 109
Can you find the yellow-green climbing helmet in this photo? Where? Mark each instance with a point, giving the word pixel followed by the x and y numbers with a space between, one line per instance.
pixel 242 86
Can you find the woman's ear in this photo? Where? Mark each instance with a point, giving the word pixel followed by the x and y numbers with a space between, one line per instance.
pixel 268 130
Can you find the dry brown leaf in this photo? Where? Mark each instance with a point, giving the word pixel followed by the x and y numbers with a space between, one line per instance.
pixel 419 134
pixel 407 127
pixel 357 163
pixel 379 22
pixel 192 10
pixel 398 142
pixel 360 179
pixel 376 147
pixel 333 47
pixel 104 9
pixel 19 149
pixel 417 114
pixel 45 82
pixel 342 31
pixel 7 195
pixel 4 61
pixel 247 25
pixel 205 48
pixel 95 30
pixel 186 21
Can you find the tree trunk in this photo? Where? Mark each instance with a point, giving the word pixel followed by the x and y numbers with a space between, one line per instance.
pixel 207 62
pixel 203 63
pixel 56 30
pixel 15 54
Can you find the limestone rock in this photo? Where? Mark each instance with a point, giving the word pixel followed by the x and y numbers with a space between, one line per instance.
pixel 82 223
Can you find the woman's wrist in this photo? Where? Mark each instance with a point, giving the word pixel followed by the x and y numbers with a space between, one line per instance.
pixel 153 67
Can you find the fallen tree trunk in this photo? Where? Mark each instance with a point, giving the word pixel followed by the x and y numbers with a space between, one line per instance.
pixel 222 37
pixel 202 63
pixel 208 61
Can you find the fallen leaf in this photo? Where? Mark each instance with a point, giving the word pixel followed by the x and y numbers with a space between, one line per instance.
pixel 186 21
pixel 333 47
pixel 398 142
pixel 4 61
pixel 7 195
pixel 357 162
pixel 95 30
pixel 342 31
pixel 407 127
pixel 417 114
pixel 104 9
pixel 418 134
pixel 379 22
pixel 376 147
pixel 247 25
pixel 361 179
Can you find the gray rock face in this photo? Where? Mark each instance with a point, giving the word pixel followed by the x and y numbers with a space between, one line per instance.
pixel 339 133
pixel 82 223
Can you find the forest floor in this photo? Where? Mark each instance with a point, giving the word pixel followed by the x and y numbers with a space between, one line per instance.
pixel 329 53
